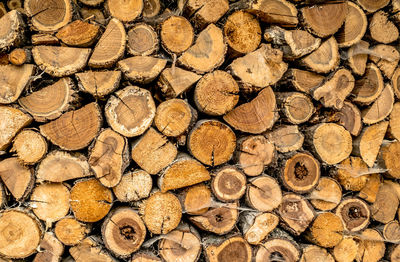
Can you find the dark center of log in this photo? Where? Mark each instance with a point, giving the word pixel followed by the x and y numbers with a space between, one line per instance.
pixel 354 212
pixel 300 171
pixel 128 232
pixel 276 257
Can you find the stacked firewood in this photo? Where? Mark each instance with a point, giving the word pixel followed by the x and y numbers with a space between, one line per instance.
pixel 199 130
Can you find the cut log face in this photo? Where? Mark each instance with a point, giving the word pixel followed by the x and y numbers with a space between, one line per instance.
pixel 234 249
pixel 243 32
pixel 50 202
pixel 394 121
pixel 151 8
pixel 51 101
pixel 254 153
pixel 76 129
pixel 352 173
pixel 176 34
pixel 373 247
pixel 153 151
pixel 144 256
pixel 90 201
pixel 372 5
pixel 388 156
pixel 297 107
pixel 90 250
pixel 48 16
pixel 368 88
pixel 349 116
pixel 29 146
pixel 91 2
pixel 381 108
pixel 78 33
pixel 70 231
pixel 386 57
pixel 207 53
pixel 125 11
pixel 142 39
pixel 354 214
pixel 358 58
pixel 391 231
pixel 211 142
pixel 300 42
pixel 109 157
pixel 325 58
pixel 196 199
pixel 12 121
pixel 174 81
pixel 134 186
pixel 277 249
pixel 304 81
pixel 111 46
pixel 326 195
pixel 396 82
pixel 130 111
pixel 326 230
pixel 325 20
pixel 60 61
pixel 218 220
pixel 385 206
pixel 44 39
pixel 263 193
pixel 98 83
pixel 29 232
pixel 264 223
pixel 96 15
pixel 13 80
pixel 123 231
pixel 301 173
pixel 286 138
pixel 354 27
pixel 17 178
pixel 12 29
pixel 296 213
pixel 142 69
pixel 347 249
pixel 279 12
pixel 313 253
pixel 370 191
pixel 51 249
pixel 205 12
pixel 256 116
pixel 60 166
pixel 382 29
pixel 228 184
pixel 20 56
pixel 334 91
pixel 183 172
pixel 162 213
pixel 260 68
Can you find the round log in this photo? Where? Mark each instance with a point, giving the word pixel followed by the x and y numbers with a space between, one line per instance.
pixel 134 186
pixel 228 184
pixel 263 193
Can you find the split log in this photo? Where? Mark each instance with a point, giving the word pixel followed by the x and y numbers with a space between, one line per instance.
pixel 18 179
pixel 151 9
pixel 386 57
pixel 242 32
pixel 368 143
pixel 256 116
pixel 211 142
pixel 183 172
pixel 216 93
pixel 381 108
pixel 301 173
pixel 325 20
pixel 296 107
pixel 29 146
pixel 174 117
pixel 60 166
pixel 78 33
pixel 304 81
pixel 123 231
pixel 228 184
pixel 59 61
pixel 196 200
pixel 205 12
pixel 331 142
pixel 396 82
pixel 357 57
pixel 51 249
pixel 174 81
pixel 326 230
pixel 349 116
pixel 142 39
pixel 144 256
pixel 98 83
pixel 233 249
pixel 257 226
pixel 385 206
pixel 354 26
pixel 347 249
pixel 12 34
pixel 207 53
pixel 44 39
pixel 260 68
pixel 387 159
pixel 162 212
pixel 279 12
pixel 90 250
pixel 176 34
pixel 13 120
pixel 75 129
pixel 125 11
pixel 51 101
pixel 368 88
pixel 48 16
pixel 371 188
pixel 354 213
pixel 93 14
pixel 90 200
pixel 325 58
pixel 153 151
pixel 142 69
pixel 326 195
pixel 50 202
pixel 372 5
pixel 134 186
pixel 70 231
pixel 277 248
pixel 394 122
pixel 263 193
pixel 372 246
pixel 296 213
pixel 352 173
pixel 394 253
pixel 13 80
pixel 254 153
pixel 391 231
pixel 130 111
pixel 20 56
pixel 286 138
pixel 109 157
pixel 20 235
pixel 382 29
pixel 313 253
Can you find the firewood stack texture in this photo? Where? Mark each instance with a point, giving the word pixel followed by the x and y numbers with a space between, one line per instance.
pixel 200 130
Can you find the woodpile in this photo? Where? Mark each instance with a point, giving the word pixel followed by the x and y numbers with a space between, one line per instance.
pixel 200 130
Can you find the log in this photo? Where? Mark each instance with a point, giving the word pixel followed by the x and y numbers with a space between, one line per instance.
pixel 60 166
pixel 90 201
pixel 142 39
pixel 20 56
pixel 349 116
pixel 382 29
pixel 326 195
pixel 395 82
pixel 144 256
pixel 277 248
pixel 216 93
pixel 98 83
pixel 142 69
pixel 297 107
pixel 78 33
pixel 354 213
pixel 162 212
pixel 175 81
pixel 90 250
pixel 286 138
pixel 13 81
pixel 123 231
pixel 205 12
pixel 75 129
pixel 358 57
pixel 368 88
pixel 371 188
pixel 3 10
pixel 51 249
pixel 326 230
pixel 134 186
pixel 91 2
pixel 385 206
pixel 394 121
pixel 29 146
pixel 70 231
pixel 373 247
pixel 13 120
pixel 381 108
pixel 347 249
pixel 125 11
pixel 13 35
pixel 109 157
pixel 233 249
pixel 51 101
pixel 304 81
pixel 352 173
pixel 228 184
pixel 263 193
pixel 279 12
pixel 44 39
pixel 372 5
pixel 257 226
pixel 391 231
pixel 151 9
pixel 124 114
pixel 386 57
pixel 196 200
pixel 176 34
pixel 387 159
pixel 313 253
pixel 96 15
